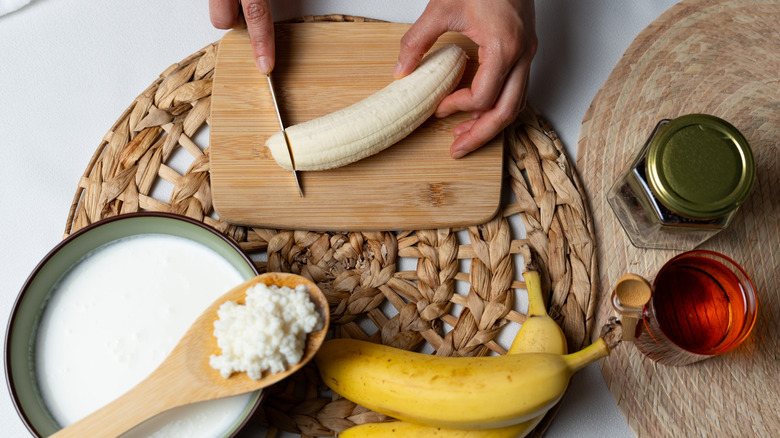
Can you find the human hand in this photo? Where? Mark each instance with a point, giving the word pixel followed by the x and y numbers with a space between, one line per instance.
pixel 506 34
pixel 227 14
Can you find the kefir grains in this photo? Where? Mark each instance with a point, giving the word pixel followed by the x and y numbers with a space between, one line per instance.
pixel 268 333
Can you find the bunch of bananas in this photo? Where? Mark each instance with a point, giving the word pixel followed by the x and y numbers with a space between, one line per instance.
pixel 475 397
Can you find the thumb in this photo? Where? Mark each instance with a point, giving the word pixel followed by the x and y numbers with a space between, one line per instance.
pixel 417 41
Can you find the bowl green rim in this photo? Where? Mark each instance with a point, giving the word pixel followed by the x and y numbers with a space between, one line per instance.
pixel 135 224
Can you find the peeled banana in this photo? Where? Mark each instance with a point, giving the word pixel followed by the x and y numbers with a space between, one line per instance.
pixel 374 123
pixel 453 392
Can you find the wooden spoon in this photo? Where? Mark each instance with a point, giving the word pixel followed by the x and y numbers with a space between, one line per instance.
pixel 632 293
pixel 186 376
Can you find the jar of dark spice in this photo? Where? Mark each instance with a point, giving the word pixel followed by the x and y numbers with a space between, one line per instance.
pixel 685 184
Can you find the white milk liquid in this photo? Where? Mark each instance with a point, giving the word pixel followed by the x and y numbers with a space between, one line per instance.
pixel 113 319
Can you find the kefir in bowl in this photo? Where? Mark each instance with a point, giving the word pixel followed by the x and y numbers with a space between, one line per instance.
pixel 102 311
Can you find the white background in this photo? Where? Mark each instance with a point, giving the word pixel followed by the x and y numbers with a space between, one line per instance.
pixel 68 69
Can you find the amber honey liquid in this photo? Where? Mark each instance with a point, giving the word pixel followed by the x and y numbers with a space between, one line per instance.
pixel 699 304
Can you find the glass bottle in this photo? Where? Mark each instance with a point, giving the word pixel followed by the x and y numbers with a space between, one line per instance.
pixel 685 184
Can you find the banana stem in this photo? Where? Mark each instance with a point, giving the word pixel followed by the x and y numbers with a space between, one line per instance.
pixel 587 355
pixel 533 283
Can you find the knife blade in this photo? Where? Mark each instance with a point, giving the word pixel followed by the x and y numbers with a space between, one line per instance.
pixel 284 133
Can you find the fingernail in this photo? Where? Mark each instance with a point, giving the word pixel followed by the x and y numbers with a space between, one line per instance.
pixel 441 114
pixel 397 70
pixel 458 153
pixel 264 65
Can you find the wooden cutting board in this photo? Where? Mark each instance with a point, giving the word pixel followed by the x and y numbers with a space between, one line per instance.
pixel 320 68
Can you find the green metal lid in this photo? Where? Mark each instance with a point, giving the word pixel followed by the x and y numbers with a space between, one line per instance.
pixel 700 166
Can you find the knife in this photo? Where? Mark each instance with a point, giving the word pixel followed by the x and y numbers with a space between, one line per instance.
pixel 284 133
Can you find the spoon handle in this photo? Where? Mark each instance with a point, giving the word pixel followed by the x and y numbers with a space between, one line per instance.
pixel 629 328
pixel 133 407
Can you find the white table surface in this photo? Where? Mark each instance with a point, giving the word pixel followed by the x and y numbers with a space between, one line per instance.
pixel 68 69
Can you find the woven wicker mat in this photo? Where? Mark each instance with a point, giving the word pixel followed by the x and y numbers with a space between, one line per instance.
pixel 454 302
pixel 722 58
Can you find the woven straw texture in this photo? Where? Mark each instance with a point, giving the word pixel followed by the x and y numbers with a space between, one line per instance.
pixel 721 58
pixel 459 291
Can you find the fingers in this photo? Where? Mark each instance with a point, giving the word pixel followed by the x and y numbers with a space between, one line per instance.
pixel 419 39
pixel 224 14
pixel 464 127
pixel 484 88
pixel 472 134
pixel 496 59
pixel 260 26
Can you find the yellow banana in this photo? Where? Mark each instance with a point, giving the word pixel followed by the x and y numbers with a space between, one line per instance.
pixel 411 430
pixel 539 333
pixel 374 123
pixel 453 392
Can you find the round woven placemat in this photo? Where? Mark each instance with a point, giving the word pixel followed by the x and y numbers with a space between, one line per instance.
pixel 722 58
pixel 455 300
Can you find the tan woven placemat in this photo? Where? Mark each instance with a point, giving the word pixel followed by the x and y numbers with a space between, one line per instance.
pixel 456 299
pixel 722 58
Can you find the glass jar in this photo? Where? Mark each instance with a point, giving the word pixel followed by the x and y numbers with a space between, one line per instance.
pixel 685 184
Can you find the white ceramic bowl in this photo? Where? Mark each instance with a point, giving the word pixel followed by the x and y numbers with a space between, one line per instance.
pixel 28 308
